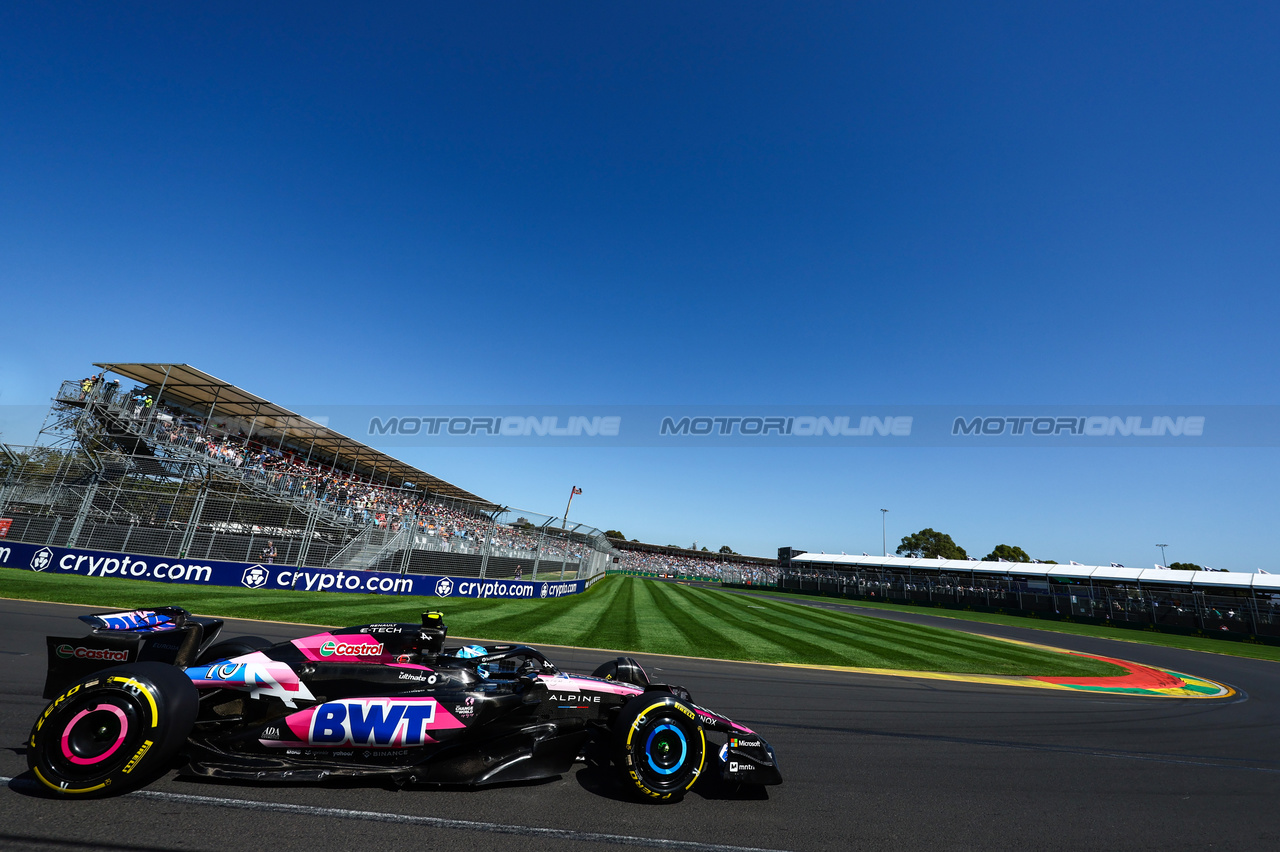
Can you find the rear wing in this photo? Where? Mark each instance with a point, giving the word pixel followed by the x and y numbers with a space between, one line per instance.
pixel 166 634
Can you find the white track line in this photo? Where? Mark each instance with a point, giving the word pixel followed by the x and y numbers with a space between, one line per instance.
pixel 433 822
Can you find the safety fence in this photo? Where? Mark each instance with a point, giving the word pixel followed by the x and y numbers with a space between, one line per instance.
pixel 727 573
pixel 1194 612
pixel 186 509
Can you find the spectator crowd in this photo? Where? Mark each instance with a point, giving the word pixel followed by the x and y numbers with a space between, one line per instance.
pixel 709 568
pixel 436 522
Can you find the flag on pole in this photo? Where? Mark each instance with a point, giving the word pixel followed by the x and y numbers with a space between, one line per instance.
pixel 577 490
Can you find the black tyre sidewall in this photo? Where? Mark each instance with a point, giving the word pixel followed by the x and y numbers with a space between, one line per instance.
pixel 638 719
pixel 153 706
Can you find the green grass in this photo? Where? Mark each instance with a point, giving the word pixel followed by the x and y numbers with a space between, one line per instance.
pixel 623 613
pixel 1227 647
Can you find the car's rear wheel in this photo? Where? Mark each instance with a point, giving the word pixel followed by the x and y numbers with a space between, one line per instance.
pixel 659 746
pixel 113 731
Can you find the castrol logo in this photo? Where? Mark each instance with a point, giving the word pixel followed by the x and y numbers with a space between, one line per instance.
pixel 343 649
pixel 68 652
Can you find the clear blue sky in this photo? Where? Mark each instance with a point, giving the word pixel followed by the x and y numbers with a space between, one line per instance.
pixel 680 203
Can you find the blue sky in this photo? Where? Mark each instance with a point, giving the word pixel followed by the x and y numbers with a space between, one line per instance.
pixel 547 204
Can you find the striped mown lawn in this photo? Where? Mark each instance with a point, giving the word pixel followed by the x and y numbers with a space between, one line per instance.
pixel 1207 643
pixel 623 613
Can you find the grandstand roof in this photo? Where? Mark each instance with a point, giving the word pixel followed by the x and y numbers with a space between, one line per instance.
pixel 200 390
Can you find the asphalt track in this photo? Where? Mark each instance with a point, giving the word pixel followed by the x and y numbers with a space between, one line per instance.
pixel 870 762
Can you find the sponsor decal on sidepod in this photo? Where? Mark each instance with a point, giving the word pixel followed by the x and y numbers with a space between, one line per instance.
pixel 257 673
pixel 370 722
pixel 343 649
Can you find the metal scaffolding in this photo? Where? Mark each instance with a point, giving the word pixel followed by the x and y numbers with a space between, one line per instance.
pixel 193 468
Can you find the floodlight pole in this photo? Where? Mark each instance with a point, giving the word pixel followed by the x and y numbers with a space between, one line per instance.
pixel 884 540
pixel 1162 560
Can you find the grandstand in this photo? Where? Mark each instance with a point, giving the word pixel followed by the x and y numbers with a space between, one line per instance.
pixel 185 465
pixel 1218 602
pixel 667 561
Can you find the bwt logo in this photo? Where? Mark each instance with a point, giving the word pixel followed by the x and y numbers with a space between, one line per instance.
pixel 506 427
pixel 372 722
pixel 42 559
pixel 444 587
pixel 255 577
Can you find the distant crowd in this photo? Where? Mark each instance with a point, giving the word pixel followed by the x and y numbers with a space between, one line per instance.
pixel 707 568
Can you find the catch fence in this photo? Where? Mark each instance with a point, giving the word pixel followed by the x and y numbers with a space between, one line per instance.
pixel 1185 611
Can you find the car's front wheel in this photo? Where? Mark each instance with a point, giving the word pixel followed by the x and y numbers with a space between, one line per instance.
pixel 113 731
pixel 659 746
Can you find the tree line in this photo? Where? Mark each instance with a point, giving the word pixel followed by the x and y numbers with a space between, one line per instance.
pixel 931 544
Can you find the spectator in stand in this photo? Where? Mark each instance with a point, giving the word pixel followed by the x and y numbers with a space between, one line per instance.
pixel 707 568
pixel 269 553
pixel 453 527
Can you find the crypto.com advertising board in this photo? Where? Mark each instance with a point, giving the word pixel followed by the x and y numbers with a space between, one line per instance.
pixel 99 563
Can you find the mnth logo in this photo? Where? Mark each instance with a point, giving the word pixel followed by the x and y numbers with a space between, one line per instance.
pixel 42 559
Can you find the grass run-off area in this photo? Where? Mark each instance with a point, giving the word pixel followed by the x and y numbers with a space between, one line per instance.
pixel 621 613
pixel 1250 650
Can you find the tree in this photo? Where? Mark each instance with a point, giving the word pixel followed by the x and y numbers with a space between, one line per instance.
pixel 1184 566
pixel 728 551
pixel 930 544
pixel 1007 552
pixel 616 534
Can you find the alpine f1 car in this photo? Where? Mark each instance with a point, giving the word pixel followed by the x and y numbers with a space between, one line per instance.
pixel 149 690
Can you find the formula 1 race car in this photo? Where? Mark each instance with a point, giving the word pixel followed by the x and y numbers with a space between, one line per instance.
pixel 151 689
